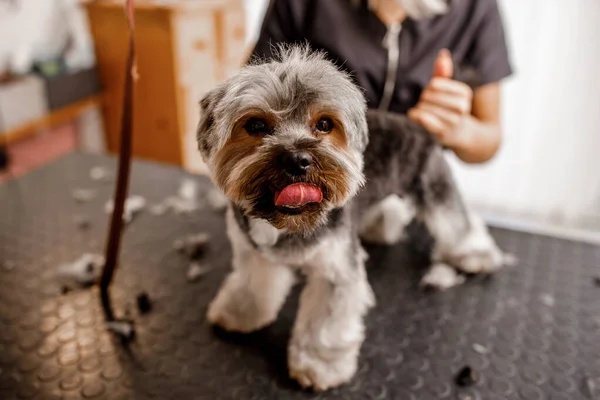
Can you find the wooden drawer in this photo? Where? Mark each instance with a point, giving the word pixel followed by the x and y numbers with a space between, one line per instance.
pixel 185 48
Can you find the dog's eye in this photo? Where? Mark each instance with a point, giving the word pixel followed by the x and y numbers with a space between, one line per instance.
pixel 257 126
pixel 324 125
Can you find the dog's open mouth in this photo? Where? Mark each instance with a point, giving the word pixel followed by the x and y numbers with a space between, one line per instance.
pixel 293 198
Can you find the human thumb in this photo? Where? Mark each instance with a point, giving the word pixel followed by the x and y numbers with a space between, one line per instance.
pixel 444 66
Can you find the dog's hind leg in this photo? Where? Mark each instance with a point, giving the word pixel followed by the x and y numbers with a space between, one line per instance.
pixel 461 239
pixel 253 293
pixel 384 222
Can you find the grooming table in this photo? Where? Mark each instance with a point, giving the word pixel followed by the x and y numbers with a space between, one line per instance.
pixel 531 331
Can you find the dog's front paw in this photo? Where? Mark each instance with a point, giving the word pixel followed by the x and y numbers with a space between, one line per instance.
pixel 234 316
pixel 321 371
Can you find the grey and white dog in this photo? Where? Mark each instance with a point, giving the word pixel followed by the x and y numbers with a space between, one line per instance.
pixel 291 144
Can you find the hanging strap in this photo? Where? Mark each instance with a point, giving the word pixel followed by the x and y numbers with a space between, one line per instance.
pixel 116 224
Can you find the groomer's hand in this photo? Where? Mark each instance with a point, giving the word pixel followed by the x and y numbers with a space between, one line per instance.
pixel 445 104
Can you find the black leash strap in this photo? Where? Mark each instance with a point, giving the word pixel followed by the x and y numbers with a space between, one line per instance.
pixel 116 225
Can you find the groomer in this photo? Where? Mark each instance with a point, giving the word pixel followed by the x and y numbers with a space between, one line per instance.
pixel 439 61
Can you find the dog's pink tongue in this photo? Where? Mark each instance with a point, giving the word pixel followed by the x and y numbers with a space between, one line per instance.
pixel 298 194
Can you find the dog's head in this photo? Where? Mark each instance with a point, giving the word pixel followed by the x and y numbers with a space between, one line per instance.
pixel 284 139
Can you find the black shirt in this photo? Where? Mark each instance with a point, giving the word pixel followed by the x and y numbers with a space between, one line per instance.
pixel 352 36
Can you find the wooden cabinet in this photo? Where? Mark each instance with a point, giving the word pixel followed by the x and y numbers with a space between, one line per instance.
pixel 184 48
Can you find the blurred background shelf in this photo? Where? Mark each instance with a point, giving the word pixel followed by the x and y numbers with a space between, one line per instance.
pixel 53 118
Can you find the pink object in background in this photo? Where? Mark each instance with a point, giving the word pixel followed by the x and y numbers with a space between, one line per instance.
pixel 41 149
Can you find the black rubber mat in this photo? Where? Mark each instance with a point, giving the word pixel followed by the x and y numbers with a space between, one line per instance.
pixel 531 331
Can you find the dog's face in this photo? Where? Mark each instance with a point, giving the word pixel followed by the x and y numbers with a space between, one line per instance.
pixel 284 139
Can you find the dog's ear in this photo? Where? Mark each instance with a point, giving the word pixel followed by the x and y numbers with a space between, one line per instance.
pixel 208 104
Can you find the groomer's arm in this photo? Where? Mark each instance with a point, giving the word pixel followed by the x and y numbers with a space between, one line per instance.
pixel 469 122
pixel 464 121
pixel 482 133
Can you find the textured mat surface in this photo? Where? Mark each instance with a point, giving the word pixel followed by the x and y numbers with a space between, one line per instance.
pixel 532 331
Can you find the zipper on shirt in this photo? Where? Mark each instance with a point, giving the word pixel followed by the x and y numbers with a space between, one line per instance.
pixel 391 42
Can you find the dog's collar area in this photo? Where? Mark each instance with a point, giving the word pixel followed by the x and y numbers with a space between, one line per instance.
pixel 262 233
pixel 334 219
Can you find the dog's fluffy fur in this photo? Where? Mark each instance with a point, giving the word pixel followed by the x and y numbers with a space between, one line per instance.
pixel 406 179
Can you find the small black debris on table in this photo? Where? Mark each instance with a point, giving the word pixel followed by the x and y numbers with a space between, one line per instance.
pixel 597 281
pixel 467 376
pixel 143 303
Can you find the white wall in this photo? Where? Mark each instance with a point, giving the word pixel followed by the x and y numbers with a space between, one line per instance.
pixel 549 165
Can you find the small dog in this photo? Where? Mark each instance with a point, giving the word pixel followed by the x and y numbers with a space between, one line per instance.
pixel 290 143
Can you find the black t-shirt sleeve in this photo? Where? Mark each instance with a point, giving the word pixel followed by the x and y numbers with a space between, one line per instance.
pixel 282 24
pixel 488 54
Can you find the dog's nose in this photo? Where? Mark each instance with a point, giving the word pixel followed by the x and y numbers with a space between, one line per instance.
pixel 297 162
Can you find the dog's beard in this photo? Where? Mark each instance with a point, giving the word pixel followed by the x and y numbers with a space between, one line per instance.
pixel 420 9
pixel 254 182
